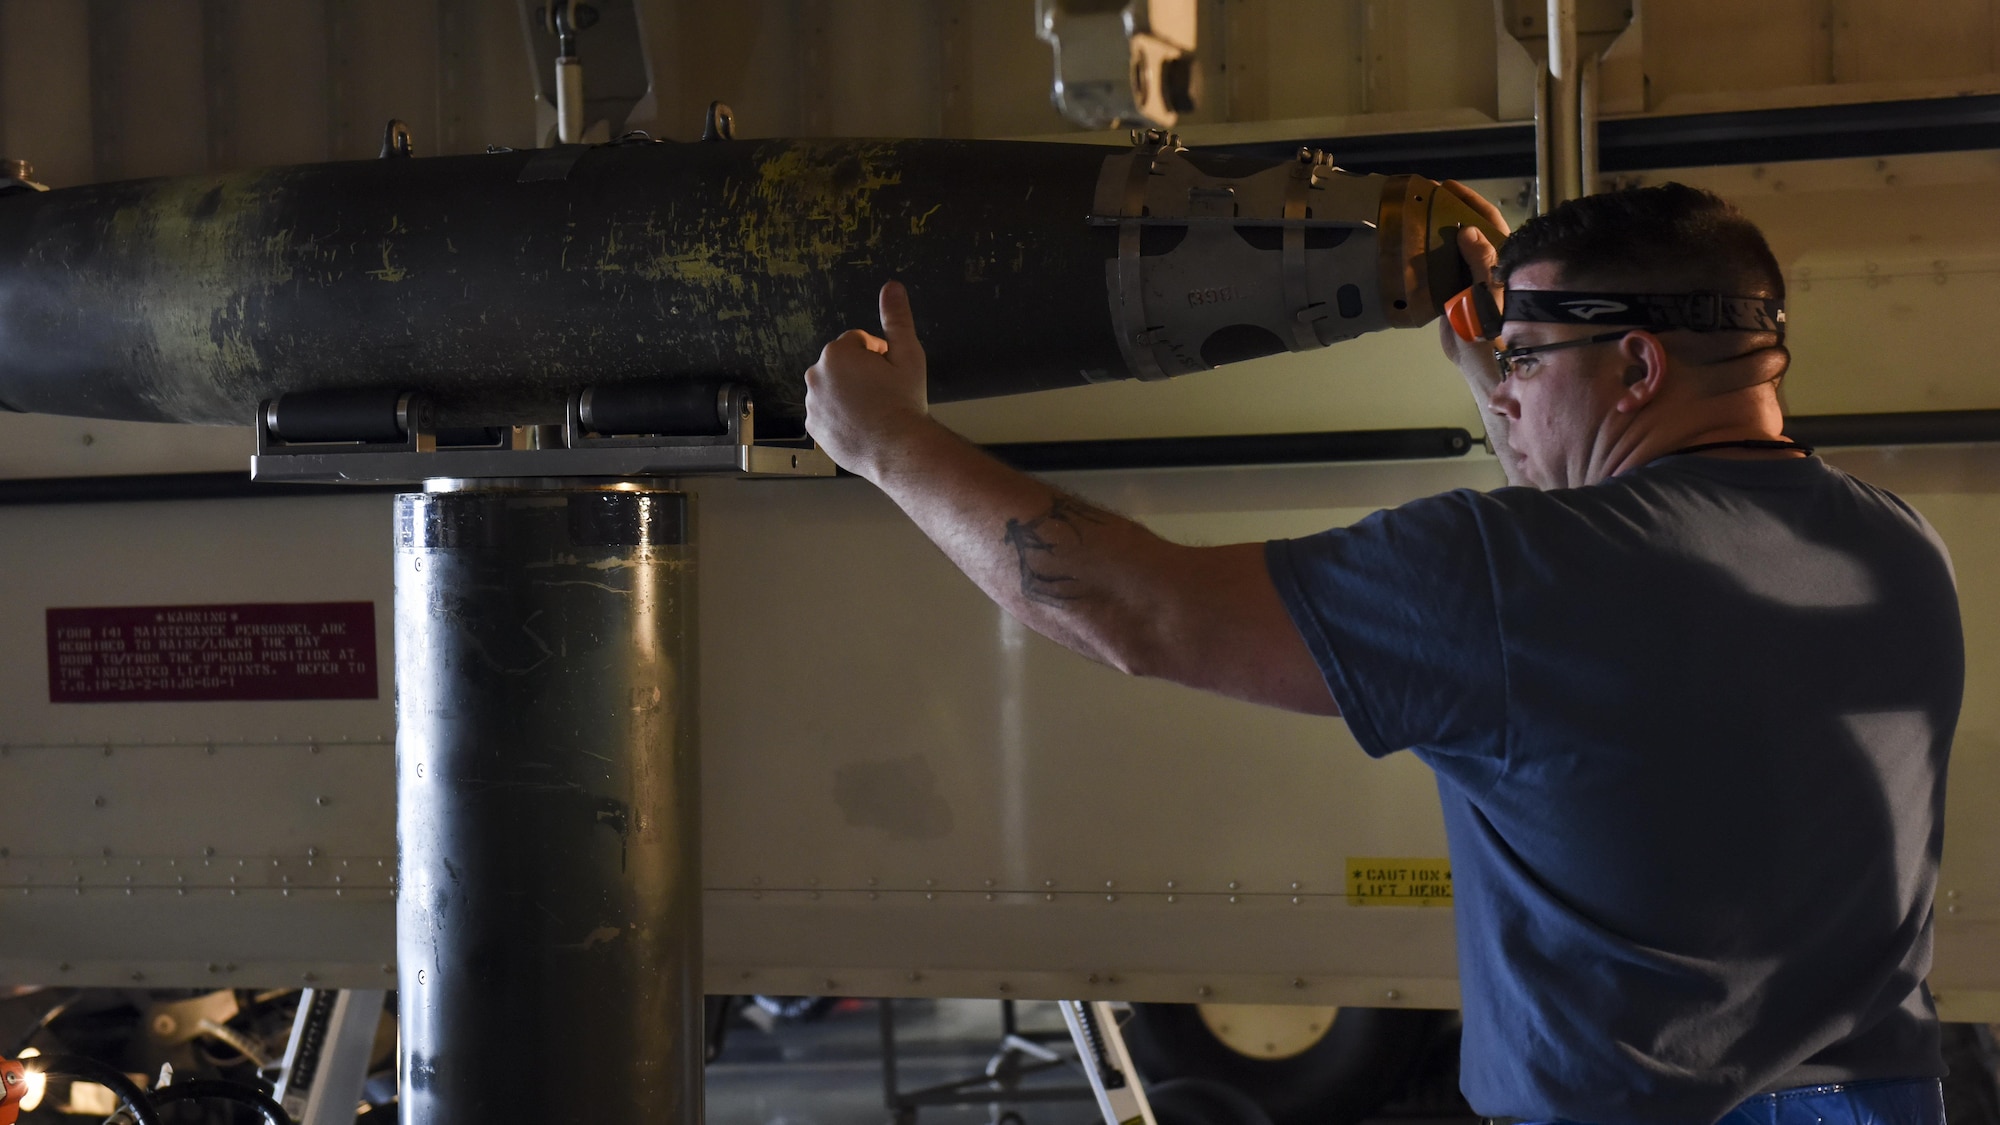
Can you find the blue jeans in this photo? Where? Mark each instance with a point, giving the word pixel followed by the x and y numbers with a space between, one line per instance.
pixel 1893 1101
pixel 1905 1101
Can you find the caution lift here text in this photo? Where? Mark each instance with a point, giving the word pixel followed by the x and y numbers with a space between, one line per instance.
pixel 1387 881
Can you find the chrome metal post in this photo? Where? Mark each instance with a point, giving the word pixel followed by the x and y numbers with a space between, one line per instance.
pixel 1589 91
pixel 1561 112
pixel 1546 195
pixel 548 924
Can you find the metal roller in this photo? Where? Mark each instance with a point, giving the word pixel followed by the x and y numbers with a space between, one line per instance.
pixel 496 285
pixel 358 414
pixel 679 409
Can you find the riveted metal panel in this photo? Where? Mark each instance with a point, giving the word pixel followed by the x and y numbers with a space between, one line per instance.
pixel 904 793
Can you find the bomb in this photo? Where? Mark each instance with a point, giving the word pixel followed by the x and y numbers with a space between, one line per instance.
pixel 496 286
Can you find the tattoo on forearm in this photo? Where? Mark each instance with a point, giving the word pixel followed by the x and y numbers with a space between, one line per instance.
pixel 1037 541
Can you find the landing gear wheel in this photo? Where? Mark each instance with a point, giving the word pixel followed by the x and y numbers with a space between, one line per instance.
pixel 1362 1059
pixel 1198 1101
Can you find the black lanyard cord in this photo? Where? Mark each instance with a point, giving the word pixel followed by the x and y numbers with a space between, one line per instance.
pixel 1746 443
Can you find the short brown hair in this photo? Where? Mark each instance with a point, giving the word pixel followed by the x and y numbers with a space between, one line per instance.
pixel 1667 239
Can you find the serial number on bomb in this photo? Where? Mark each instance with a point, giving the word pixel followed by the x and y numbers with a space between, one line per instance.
pixel 1212 296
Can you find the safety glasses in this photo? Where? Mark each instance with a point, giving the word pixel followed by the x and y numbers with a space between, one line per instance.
pixel 1510 363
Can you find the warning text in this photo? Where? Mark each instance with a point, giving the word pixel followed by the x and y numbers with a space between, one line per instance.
pixel 267 650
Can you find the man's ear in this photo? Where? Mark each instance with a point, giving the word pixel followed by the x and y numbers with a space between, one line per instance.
pixel 1645 370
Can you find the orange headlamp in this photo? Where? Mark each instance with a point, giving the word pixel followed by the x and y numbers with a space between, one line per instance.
pixel 1474 314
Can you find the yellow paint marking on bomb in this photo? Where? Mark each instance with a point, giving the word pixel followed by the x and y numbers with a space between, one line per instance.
pixel 1398 881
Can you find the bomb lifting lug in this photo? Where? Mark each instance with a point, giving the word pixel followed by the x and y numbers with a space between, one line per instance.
pixel 17 176
pixel 720 124
pixel 384 436
pixel 397 142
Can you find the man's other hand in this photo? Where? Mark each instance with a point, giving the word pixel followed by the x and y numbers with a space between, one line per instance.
pixel 1475 359
pixel 867 393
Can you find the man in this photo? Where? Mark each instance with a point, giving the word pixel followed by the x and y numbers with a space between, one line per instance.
pixel 1688 695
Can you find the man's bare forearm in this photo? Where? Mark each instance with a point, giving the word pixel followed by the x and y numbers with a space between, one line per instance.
pixel 1207 617
pixel 1080 575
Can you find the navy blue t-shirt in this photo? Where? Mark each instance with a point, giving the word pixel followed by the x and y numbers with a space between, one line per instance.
pixel 1689 726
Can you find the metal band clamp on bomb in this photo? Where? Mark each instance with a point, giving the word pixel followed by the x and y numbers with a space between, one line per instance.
pixel 1193 285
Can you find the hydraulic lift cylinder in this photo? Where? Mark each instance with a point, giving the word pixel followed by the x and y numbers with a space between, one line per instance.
pixel 548 923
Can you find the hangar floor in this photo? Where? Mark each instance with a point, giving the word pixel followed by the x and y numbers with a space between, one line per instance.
pixel 829 1071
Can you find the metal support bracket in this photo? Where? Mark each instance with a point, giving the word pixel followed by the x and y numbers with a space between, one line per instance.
pixel 1100 1050
pixel 1021 1056
pixel 326 1062
pixel 570 450
pixel 620 94
pixel 1127 63
pixel 1586 60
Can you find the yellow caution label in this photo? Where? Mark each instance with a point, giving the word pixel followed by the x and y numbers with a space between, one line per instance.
pixel 1386 881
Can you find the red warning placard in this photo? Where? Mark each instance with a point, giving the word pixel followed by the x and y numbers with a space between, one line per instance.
pixel 153 653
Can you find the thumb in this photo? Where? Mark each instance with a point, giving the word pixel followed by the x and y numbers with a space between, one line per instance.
pixel 899 327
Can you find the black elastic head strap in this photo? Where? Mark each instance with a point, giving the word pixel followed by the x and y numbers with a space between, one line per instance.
pixel 1697 312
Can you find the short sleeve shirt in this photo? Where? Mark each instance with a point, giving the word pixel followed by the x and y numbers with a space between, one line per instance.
pixel 1689 728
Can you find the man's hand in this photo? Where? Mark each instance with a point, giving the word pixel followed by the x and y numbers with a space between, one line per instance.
pixel 1479 254
pixel 867 394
